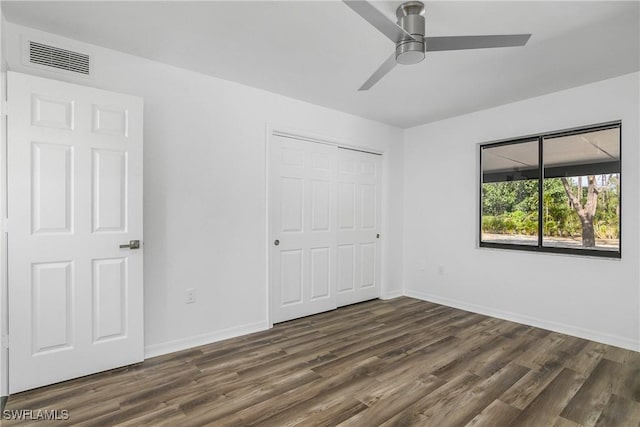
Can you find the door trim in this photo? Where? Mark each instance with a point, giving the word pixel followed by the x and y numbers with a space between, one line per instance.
pixel 272 130
pixel 321 139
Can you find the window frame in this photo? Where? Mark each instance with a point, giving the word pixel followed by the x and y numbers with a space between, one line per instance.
pixel 540 137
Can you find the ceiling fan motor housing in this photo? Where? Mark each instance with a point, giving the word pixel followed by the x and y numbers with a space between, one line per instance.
pixel 411 18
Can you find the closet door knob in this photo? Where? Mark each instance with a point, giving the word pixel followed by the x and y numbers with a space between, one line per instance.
pixel 133 244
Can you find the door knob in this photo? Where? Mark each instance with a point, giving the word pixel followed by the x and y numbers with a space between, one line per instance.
pixel 133 244
pixel 277 242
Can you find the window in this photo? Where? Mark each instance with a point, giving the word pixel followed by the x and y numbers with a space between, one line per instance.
pixel 554 192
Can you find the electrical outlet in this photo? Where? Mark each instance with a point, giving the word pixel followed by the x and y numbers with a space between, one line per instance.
pixel 191 296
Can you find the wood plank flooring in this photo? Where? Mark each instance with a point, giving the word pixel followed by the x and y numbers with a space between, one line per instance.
pixel 390 363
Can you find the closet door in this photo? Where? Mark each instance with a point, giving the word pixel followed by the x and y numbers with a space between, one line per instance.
pixel 302 200
pixel 358 243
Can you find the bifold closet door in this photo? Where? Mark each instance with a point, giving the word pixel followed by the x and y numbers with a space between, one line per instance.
pixel 302 200
pixel 359 204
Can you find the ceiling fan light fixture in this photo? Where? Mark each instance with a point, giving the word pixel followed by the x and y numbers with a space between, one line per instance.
pixel 410 52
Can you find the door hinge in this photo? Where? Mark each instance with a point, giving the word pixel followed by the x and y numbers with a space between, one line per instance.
pixel 5 341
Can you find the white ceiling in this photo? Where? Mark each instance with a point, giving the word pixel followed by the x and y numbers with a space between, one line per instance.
pixel 321 52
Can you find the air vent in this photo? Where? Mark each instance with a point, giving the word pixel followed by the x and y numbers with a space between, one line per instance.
pixel 62 59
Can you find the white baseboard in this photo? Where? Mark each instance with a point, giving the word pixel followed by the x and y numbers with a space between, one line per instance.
pixel 202 339
pixel 562 328
pixel 392 294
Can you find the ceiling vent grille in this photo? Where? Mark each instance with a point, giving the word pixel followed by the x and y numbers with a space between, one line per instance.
pixel 62 59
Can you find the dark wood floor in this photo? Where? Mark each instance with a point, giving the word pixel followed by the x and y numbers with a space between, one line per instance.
pixel 398 362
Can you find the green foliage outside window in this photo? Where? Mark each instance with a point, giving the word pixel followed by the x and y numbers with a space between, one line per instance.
pixel 511 207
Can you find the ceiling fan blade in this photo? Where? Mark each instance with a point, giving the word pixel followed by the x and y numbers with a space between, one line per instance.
pixel 373 16
pixel 475 42
pixel 382 71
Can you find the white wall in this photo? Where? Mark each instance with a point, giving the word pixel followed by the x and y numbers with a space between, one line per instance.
pixel 588 297
pixel 205 197
pixel 4 312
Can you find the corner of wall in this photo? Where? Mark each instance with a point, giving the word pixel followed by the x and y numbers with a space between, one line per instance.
pixel 395 203
pixel 4 312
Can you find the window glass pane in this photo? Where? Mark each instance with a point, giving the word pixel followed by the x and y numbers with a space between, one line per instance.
pixel 510 193
pixel 581 192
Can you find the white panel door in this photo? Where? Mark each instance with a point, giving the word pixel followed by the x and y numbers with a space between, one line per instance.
pixel 359 193
pixel 75 196
pixel 302 228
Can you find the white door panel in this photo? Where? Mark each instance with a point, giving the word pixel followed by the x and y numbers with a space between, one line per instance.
pixel 359 189
pixel 346 205
pixel 321 273
pixel 346 264
pixel 302 220
pixel 75 195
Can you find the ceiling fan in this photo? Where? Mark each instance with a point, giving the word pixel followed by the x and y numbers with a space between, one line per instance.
pixel 412 44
